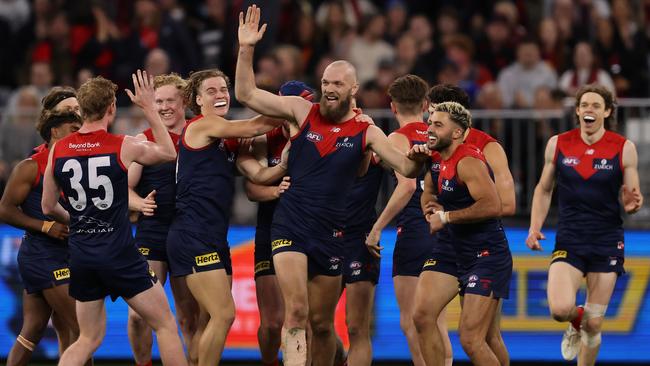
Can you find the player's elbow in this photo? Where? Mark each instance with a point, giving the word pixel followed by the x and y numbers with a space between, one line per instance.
pixel 492 207
pixel 4 212
pixel 47 208
pixel 168 156
pixel 243 93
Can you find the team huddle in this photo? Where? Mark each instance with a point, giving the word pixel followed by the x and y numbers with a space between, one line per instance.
pixel 316 170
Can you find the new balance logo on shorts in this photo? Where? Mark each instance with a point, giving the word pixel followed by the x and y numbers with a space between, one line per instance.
pixel 279 243
pixel 61 274
pixel 207 259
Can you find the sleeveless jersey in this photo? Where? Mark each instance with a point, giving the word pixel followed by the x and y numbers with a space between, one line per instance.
pixel 275 142
pixel 94 182
pixel 35 241
pixel 162 178
pixel 453 194
pixel 361 212
pixel 323 164
pixel 478 138
pixel 205 187
pixel 411 216
pixel 589 179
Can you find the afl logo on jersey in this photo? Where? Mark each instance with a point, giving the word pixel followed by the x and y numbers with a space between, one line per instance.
pixel 314 136
pixel 603 164
pixel 435 167
pixel 571 161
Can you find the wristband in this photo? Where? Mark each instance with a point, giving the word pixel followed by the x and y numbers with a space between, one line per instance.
pixel 47 225
pixel 444 216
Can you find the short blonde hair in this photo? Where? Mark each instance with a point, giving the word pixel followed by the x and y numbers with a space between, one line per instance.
pixel 170 79
pixel 457 113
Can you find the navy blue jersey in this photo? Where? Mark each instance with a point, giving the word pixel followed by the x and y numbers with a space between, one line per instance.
pixel 453 194
pixel 589 179
pixel 323 165
pixel 36 242
pixel 275 142
pixel 205 187
pixel 162 178
pixel 361 201
pixel 88 168
pixel 411 216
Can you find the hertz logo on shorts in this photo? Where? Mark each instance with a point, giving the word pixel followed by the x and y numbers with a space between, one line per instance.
pixel 61 274
pixel 207 259
pixel 262 266
pixel 144 251
pixel 558 254
pixel 430 263
pixel 279 243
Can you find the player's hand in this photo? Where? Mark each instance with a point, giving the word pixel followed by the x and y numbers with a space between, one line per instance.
pixel 435 223
pixel 148 205
pixel 284 185
pixel 250 31
pixel 364 118
pixel 632 199
pixel 144 91
pixel 419 152
pixel 372 242
pixel 58 231
pixel 431 207
pixel 532 241
pixel 245 145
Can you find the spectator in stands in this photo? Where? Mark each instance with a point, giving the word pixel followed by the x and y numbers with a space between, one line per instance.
pixel 519 81
pixel 426 66
pixel 554 50
pixel 40 77
pixel 447 24
pixel 336 30
pixel 369 48
pixel 17 133
pixel 496 49
pixel 157 62
pixel 585 71
pixel 406 54
pixel 459 49
pixel 396 18
pixel 212 32
pixel 268 75
pixel 289 62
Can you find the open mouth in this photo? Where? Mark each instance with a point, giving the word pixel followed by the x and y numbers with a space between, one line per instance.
pixel 166 114
pixel 331 98
pixel 220 103
pixel 589 119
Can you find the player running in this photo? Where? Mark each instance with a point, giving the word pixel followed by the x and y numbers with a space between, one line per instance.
pixel 593 169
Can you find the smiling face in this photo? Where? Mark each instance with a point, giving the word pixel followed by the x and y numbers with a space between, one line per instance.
pixel 591 112
pixel 169 105
pixel 442 131
pixel 214 94
pixel 338 86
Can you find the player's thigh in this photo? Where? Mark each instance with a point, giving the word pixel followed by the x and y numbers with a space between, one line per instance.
pixel 405 287
pixel 360 297
pixel 160 269
pixel 291 271
pixel 476 314
pixel 269 296
pixel 211 289
pixel 152 306
pixel 563 283
pixel 434 290
pixel 184 301
pixel 92 319
pixel 36 315
pixel 64 305
pixel 323 292
pixel 600 286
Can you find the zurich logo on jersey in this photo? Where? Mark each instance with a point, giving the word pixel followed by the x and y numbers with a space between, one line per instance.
pixel 570 161
pixel 446 186
pixel 603 164
pixel 314 136
pixel 344 143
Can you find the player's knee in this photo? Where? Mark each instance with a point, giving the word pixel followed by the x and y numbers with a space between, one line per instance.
pixel 321 326
pixel 471 342
pixel 272 324
pixel 297 312
pixel 406 323
pixel 357 329
pixel 590 339
pixel 423 320
pixel 136 320
pixel 187 323
pixel 593 325
pixel 561 313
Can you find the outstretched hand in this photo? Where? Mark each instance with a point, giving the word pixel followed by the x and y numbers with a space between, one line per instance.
pixel 419 152
pixel 532 241
pixel 632 199
pixel 144 90
pixel 250 31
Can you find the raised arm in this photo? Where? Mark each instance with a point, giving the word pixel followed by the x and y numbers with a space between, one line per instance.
pixel 292 108
pixel 213 126
pixel 631 192
pixel 141 151
pixel 542 197
pixel 498 161
pixel 378 142
pixel 18 187
pixel 50 199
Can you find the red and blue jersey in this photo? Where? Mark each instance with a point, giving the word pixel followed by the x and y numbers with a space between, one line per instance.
pixel 275 143
pixel 205 187
pixel 162 178
pixel 453 194
pixel 36 241
pixel 478 138
pixel 362 199
pixel 94 182
pixel 323 165
pixel 589 179
pixel 411 216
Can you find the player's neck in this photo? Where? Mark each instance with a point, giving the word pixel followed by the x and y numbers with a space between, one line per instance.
pixel 177 128
pixel 92 126
pixel 405 119
pixel 348 116
pixel 450 150
pixel 592 138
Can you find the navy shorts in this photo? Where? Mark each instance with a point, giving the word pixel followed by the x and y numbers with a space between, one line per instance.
pixel 263 258
pixel 127 278
pixel 443 256
pixel 153 251
pixel 189 252
pixel 358 263
pixel 412 249
pixel 592 258
pixel 324 255
pixel 49 269
pixel 487 276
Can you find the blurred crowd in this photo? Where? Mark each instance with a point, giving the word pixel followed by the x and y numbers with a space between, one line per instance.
pixel 505 53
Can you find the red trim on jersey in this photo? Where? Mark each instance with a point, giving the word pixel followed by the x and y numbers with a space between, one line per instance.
pixel 572 145
pixel 363 139
pixel 315 108
pixel 100 142
pixel 450 169
pixel 41 162
pixel 148 133
pixel 414 131
pixel 478 138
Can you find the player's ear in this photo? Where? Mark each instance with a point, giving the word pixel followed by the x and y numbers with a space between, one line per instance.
pixel 608 112
pixel 393 108
pixel 355 88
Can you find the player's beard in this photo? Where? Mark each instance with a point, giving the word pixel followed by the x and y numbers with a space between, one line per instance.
pixel 335 114
pixel 442 143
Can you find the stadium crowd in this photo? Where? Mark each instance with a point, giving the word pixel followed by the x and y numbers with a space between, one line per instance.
pixel 504 54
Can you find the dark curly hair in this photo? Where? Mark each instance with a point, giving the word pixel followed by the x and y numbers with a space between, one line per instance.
pixel 608 97
pixel 191 90
pixel 52 119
